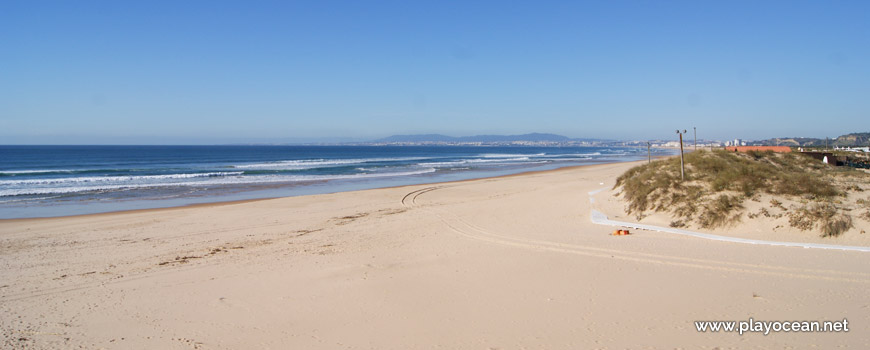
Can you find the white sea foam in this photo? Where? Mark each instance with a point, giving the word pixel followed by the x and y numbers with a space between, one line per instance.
pixel 91 179
pixel 43 171
pixel 571 155
pixel 567 159
pixel 366 168
pixel 203 181
pixel 298 164
pixel 319 163
pixel 507 155
pixel 498 160
pixel 477 161
pixel 13 200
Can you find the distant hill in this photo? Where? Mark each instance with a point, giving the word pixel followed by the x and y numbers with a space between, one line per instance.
pixel 534 137
pixel 853 139
pixel 417 138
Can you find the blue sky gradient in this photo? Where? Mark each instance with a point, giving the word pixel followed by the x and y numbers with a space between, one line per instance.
pixel 187 72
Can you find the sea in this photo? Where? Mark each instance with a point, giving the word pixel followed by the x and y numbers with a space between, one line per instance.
pixel 46 181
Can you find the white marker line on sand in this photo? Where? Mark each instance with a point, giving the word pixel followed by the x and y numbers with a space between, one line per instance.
pixel 601 219
pixel 592 193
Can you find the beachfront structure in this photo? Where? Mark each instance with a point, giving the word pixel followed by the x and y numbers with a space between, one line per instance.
pixel 736 142
pixel 853 149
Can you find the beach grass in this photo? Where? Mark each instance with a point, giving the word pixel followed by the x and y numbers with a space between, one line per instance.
pixel 719 182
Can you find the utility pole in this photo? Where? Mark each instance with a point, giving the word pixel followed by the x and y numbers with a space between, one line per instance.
pixel 648 154
pixel 696 137
pixel 682 164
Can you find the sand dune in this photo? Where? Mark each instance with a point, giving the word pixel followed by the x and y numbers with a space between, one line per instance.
pixel 501 263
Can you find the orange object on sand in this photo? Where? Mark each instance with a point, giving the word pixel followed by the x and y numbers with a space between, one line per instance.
pixel 620 233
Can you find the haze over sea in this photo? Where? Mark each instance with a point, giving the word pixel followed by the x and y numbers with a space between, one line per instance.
pixel 37 181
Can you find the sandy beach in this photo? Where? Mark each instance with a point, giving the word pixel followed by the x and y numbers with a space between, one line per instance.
pixel 501 263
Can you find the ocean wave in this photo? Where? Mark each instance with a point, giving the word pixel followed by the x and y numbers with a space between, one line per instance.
pixel 297 164
pixel 4 173
pixel 508 155
pixel 14 199
pixel 537 155
pixel 14 172
pixel 115 178
pixel 320 163
pixel 206 181
pixel 565 155
pixel 44 172
pixel 476 161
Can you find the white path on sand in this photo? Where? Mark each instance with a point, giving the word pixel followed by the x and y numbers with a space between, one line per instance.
pixel 601 219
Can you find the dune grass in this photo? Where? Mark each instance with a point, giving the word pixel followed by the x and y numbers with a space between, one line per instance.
pixel 825 216
pixel 718 182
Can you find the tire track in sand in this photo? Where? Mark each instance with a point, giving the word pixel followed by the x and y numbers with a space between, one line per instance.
pixel 469 230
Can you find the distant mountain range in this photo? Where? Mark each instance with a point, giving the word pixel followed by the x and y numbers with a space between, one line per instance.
pixel 854 139
pixel 533 137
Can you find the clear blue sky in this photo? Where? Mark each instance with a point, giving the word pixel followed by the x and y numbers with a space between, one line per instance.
pixel 213 71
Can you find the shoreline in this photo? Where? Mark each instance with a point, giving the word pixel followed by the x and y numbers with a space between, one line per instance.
pixel 242 201
pixel 35 186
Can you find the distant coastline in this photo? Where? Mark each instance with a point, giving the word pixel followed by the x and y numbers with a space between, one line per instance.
pixel 554 140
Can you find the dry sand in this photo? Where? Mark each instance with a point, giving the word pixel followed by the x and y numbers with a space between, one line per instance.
pixel 502 263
